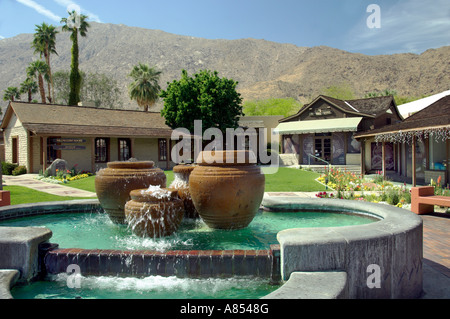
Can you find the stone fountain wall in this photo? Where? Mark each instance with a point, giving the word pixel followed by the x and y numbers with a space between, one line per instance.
pixel 182 263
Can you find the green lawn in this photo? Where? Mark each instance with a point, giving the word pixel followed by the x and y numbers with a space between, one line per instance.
pixel 285 180
pixel 25 195
pixel 293 180
pixel 88 184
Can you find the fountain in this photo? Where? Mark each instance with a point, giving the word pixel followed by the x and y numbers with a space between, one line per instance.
pixel 227 188
pixel 236 191
pixel 182 173
pixel 114 184
pixel 154 212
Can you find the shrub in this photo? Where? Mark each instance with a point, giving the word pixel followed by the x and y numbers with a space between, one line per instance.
pixel 7 168
pixel 19 170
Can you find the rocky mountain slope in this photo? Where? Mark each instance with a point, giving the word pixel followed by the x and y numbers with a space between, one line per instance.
pixel 263 69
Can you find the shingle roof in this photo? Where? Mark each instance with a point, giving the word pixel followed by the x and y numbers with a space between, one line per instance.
pixel 369 107
pixel 435 115
pixel 81 120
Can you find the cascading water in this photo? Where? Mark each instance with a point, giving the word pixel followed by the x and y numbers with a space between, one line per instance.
pixel 154 212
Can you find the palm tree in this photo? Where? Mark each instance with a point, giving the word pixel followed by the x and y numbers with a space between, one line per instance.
pixel 144 88
pixel 11 94
pixel 30 87
pixel 39 69
pixel 75 24
pixel 44 43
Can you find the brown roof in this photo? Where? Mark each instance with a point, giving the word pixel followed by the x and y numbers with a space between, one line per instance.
pixel 434 116
pixel 369 107
pixel 51 119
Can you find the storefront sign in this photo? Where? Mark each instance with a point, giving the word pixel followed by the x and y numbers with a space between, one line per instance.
pixel 68 147
pixel 69 140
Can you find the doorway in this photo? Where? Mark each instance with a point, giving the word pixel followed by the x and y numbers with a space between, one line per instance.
pixel 322 147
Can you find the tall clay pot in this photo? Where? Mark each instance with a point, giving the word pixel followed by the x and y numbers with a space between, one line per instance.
pixel 114 184
pixel 227 192
pixel 181 184
pixel 154 213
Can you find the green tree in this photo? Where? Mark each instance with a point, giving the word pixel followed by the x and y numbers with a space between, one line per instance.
pixel 95 87
pixel 100 89
pixel 206 97
pixel 39 69
pixel 44 43
pixel 11 94
pixel 76 24
pixel 284 107
pixel 30 87
pixel 386 92
pixel 341 92
pixel 145 88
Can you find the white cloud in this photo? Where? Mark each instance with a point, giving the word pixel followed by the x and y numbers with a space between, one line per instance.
pixel 68 3
pixel 408 26
pixel 40 9
pixel 1 37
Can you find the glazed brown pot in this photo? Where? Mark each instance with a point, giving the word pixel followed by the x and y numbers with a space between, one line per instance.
pixel 154 213
pixel 114 184
pixel 227 195
pixel 181 184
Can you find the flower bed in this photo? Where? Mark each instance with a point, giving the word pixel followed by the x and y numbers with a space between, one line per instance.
pixel 347 185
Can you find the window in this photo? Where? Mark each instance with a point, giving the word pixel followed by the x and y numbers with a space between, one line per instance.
pixel 437 155
pixel 162 149
pixel 124 149
pixel 15 150
pixel 101 150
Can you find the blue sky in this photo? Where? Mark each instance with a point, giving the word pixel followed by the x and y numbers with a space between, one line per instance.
pixel 404 25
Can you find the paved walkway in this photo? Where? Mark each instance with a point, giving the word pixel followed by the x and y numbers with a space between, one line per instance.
pixel 28 180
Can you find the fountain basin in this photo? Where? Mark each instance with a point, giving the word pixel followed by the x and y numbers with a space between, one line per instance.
pixel 381 260
pixel 394 243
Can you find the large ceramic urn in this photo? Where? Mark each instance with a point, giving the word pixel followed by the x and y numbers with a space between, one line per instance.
pixel 227 188
pixel 182 173
pixel 154 212
pixel 114 184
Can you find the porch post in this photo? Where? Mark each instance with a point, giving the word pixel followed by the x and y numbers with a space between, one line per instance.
pixel 363 158
pixel 132 147
pixel 167 152
pixel 413 153
pixel 93 154
pixel 44 153
pixel 383 159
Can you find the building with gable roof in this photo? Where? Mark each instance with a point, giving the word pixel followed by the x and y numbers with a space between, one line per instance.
pixel 421 145
pixel 37 134
pixel 323 131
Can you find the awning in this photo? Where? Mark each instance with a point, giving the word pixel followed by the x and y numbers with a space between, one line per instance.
pixel 349 124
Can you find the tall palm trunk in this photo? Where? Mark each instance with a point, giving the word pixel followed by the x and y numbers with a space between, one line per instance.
pixel 41 88
pixel 47 59
pixel 75 78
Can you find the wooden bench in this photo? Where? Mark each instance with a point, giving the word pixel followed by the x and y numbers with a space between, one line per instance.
pixel 423 200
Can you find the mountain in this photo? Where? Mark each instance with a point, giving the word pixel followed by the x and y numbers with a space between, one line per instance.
pixel 263 69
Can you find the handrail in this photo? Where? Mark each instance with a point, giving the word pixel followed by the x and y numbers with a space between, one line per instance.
pixel 320 159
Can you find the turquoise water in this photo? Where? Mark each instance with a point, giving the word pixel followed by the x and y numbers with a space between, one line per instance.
pixel 154 287
pixel 96 231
